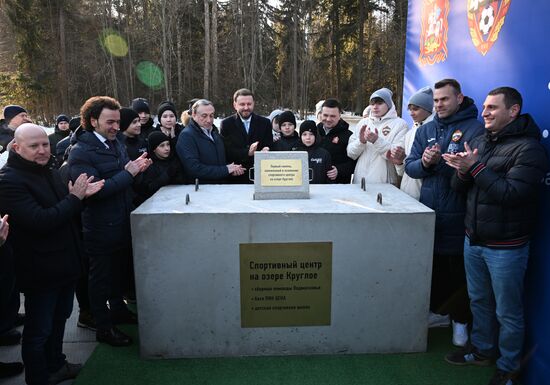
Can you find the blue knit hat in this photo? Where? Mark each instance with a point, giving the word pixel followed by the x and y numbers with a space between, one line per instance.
pixel 423 98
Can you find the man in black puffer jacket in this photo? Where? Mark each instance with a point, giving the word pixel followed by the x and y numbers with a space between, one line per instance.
pixel 501 177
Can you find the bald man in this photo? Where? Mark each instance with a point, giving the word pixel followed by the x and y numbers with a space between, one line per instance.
pixel 44 234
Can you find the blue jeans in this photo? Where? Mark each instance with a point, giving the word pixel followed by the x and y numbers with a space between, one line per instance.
pixel 495 285
pixel 46 312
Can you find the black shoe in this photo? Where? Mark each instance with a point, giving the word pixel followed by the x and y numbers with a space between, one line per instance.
pixel 86 320
pixel 124 317
pixel 67 372
pixel 503 378
pixel 113 337
pixel 130 298
pixel 10 369
pixel 468 356
pixel 20 319
pixel 12 337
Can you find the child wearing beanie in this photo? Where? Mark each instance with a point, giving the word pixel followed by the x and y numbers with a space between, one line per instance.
pixel 274 119
pixel 289 139
pixel 168 122
pixel 61 131
pixel 165 170
pixel 420 108
pixel 130 133
pixel 373 139
pixel 319 159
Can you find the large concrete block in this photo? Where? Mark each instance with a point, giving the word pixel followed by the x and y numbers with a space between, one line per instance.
pixel 187 265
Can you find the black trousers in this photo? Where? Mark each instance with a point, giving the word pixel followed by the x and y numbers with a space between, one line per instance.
pixel 449 294
pixel 107 279
pixel 9 294
pixel 81 292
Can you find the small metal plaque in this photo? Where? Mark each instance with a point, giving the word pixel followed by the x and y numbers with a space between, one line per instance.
pixel 281 175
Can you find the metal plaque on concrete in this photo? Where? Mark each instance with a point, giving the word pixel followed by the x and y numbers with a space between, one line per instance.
pixel 285 284
pixel 281 175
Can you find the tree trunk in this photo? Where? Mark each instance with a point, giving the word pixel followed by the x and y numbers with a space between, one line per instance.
pixel 206 75
pixel 165 53
pixel 338 52
pixel 214 34
pixel 179 65
pixel 360 71
pixel 294 76
pixel 63 56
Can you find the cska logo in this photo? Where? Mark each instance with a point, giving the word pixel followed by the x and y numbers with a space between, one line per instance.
pixel 433 37
pixel 485 20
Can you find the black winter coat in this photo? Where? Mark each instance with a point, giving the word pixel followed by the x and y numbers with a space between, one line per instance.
pixel 237 142
pixel 135 147
pixel 146 129
pixel 287 143
pixel 503 186
pixel 336 143
pixel 54 139
pixel 319 161
pixel 177 131
pixel 6 136
pixel 162 172
pixel 201 157
pixel 106 217
pixel 44 230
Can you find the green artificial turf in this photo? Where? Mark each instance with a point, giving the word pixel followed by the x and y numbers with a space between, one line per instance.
pixel 120 366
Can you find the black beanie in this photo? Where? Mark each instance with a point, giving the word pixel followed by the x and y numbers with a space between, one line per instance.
pixel 165 106
pixel 62 118
pixel 308 125
pixel 286 116
pixel 154 139
pixel 74 123
pixel 12 111
pixel 127 116
pixel 140 105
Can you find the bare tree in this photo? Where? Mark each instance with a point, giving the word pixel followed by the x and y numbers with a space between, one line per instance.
pixel 214 46
pixel 207 42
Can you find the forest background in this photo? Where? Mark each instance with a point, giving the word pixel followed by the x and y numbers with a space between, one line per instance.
pixel 54 54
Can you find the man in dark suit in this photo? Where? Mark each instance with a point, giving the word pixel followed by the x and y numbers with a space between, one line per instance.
pixel 245 132
pixel 45 237
pixel 106 218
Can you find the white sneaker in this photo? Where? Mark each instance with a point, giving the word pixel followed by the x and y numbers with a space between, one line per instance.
pixel 438 320
pixel 460 334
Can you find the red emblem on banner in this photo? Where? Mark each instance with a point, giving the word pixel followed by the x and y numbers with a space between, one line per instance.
pixel 485 20
pixel 435 25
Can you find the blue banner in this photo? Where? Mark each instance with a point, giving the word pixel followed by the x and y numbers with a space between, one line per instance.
pixel 485 44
